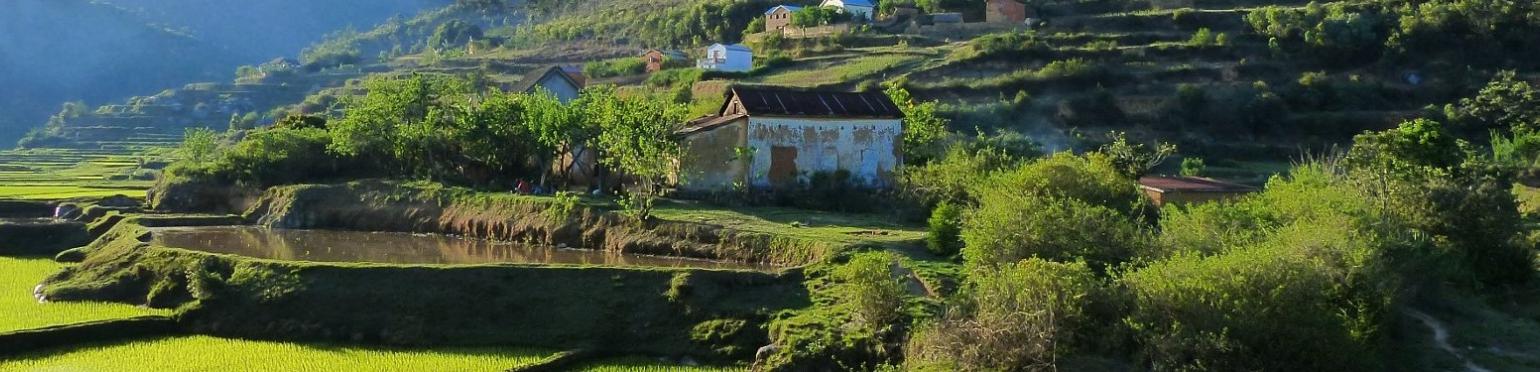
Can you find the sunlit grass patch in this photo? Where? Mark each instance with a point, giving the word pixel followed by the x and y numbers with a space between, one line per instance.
pixel 18 310
pixel 838 72
pixel 50 192
pixel 205 353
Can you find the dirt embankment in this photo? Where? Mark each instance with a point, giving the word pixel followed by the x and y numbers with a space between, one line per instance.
pixel 390 206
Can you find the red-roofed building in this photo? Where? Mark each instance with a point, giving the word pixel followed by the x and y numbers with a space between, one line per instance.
pixel 1186 190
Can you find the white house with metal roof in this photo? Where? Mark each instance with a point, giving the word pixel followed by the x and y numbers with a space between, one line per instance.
pixel 861 9
pixel 765 137
pixel 727 58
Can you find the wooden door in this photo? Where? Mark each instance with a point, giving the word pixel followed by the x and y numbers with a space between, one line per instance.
pixel 783 165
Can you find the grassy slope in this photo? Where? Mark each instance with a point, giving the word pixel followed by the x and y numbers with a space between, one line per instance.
pixel 203 353
pixel 853 229
pixel 18 276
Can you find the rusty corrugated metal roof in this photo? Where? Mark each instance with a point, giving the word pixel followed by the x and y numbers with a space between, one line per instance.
pixel 787 102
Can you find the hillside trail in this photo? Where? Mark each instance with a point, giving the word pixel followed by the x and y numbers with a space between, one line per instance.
pixel 1441 338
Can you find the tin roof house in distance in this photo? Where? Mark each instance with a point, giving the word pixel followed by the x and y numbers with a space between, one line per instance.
pixel 773 137
pixel 858 9
pixel 727 58
pixel 563 82
pixel 1190 190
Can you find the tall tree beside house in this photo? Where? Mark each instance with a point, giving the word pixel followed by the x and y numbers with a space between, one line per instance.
pixel 636 138
pixel 925 131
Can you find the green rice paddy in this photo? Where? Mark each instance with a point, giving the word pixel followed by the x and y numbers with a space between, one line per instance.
pixel 53 174
pixel 18 310
pixel 204 353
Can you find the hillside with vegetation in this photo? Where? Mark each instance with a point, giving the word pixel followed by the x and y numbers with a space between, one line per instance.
pixel 1395 146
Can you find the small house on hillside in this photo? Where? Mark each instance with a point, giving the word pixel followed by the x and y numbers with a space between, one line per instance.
pixel 858 9
pixel 1007 11
pixel 771 137
pixel 657 60
pixel 556 79
pixel 779 17
pixel 1187 190
pixel 727 58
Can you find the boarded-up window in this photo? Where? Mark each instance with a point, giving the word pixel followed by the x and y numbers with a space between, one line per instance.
pixel 783 165
pixel 830 161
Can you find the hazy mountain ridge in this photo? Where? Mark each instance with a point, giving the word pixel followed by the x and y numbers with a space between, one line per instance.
pixel 54 51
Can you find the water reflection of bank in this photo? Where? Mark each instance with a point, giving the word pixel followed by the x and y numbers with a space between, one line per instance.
pixel 403 248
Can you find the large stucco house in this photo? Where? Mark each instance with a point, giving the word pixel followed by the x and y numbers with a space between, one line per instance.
pixel 727 58
pixel 779 17
pixel 774 137
pixel 860 9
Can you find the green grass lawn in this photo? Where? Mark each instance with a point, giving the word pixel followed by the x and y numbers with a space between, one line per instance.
pixel 640 364
pixel 843 228
pixel 204 353
pixel 18 310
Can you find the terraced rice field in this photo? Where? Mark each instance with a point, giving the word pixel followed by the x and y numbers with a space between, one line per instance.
pixel 51 174
pixel 18 310
pixel 204 353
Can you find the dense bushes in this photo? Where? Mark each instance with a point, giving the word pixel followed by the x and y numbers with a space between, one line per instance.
pixel 1023 316
pixel 1415 32
pixel 273 157
pixel 1010 227
pixel 441 128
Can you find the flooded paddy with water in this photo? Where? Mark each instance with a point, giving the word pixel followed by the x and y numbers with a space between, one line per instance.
pixel 405 248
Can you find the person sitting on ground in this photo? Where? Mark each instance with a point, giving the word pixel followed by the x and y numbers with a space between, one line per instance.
pixel 524 187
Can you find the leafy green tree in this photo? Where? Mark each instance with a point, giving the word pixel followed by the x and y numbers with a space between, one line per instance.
pixel 814 16
pixel 636 138
pixel 1135 159
pixel 1506 104
pixel 925 131
pixel 943 237
pixel 1064 208
pixel 1192 167
pixel 874 291
pixel 199 145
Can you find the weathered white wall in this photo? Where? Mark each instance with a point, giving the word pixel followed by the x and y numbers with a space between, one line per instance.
pixel 865 147
pixel 710 161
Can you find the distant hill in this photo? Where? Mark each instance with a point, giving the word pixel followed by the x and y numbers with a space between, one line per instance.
pixel 54 51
